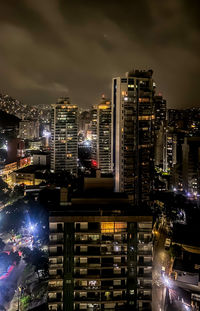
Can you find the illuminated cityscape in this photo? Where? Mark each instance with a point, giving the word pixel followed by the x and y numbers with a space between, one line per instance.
pixel 99 156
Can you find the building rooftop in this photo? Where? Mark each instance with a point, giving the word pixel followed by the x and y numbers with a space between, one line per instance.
pixel 31 169
pixel 140 73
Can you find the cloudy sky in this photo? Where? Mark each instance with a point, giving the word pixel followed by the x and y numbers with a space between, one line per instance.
pixel 52 48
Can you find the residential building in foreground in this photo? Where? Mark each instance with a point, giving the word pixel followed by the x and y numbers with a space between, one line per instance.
pixel 64 136
pixel 133 134
pixel 100 254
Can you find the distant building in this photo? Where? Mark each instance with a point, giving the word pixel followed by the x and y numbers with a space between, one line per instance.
pixel 94 132
pixel 15 149
pixel 29 129
pixel 35 144
pixel 64 136
pixel 169 150
pixel 160 108
pixel 133 133
pixel 41 158
pixel 104 117
pixel 100 254
pixel 30 175
pixel 160 128
pixel 191 164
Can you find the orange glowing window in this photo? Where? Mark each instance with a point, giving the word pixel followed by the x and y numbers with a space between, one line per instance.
pixel 144 100
pixel 111 227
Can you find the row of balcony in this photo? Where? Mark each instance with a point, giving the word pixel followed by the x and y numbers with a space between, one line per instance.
pixel 99 288
pixel 147 275
pixel 91 230
pixel 100 265
pixel 89 277
pixel 59 252
pixel 100 242
pixel 101 299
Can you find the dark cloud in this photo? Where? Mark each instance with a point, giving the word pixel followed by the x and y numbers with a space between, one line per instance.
pixel 52 48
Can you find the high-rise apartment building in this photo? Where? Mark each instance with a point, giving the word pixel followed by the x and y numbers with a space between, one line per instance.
pixel 94 132
pixel 100 254
pixel 160 109
pixel 29 129
pixel 64 136
pixel 101 135
pixel 133 133
pixel 104 116
pixel 186 175
pixel 169 150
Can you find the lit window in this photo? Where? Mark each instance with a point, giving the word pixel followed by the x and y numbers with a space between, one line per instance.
pixel 109 227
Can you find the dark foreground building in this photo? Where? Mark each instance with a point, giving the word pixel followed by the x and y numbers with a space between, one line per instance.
pixel 100 254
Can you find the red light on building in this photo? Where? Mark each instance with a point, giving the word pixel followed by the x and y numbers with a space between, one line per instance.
pixel 94 163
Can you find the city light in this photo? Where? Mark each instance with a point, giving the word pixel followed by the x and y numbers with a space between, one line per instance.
pixel 46 133
pixel 32 227
pixel 87 143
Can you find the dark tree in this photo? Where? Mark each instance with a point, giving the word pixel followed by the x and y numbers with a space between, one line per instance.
pixel 175 251
pixel 15 257
pixel 37 258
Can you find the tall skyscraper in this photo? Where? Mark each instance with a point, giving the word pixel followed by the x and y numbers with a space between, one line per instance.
pixel 160 111
pixel 101 135
pixel 104 136
pixel 160 128
pixel 64 136
pixel 94 132
pixel 133 133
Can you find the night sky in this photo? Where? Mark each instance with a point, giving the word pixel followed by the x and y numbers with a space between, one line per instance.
pixel 52 48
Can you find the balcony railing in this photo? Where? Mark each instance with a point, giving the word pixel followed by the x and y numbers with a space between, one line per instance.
pixel 144 264
pixel 100 265
pixel 101 298
pixel 85 242
pixel 55 276
pixel 144 252
pixel 56 230
pixel 56 242
pixel 56 299
pixel 99 288
pixel 145 286
pixel 55 265
pixel 55 253
pixel 144 241
pixel 99 253
pixel 144 297
pixel 145 230
pixel 55 288
pixel 97 276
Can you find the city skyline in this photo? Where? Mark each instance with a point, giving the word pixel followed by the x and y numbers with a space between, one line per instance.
pixel 57 40
pixel 99 155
